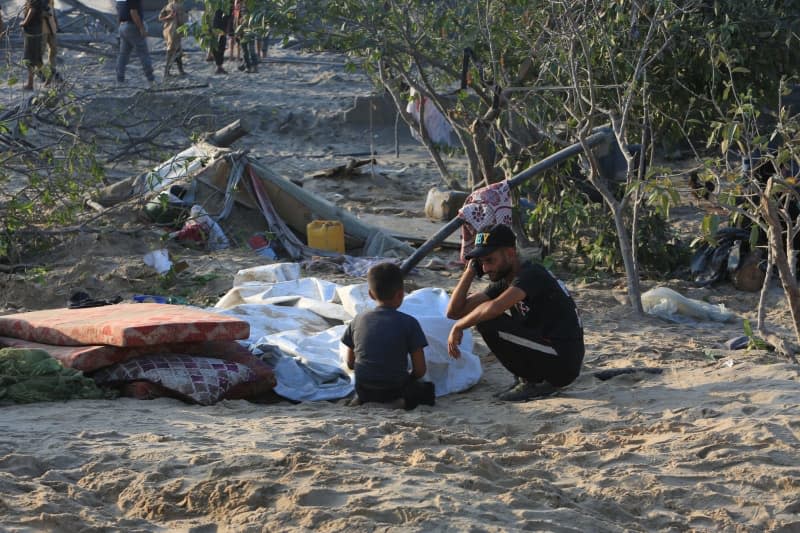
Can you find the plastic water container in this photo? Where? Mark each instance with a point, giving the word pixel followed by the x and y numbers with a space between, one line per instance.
pixel 326 235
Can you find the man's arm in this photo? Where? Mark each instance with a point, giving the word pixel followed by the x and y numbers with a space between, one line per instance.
pixel 351 358
pixel 482 312
pixel 29 14
pixel 418 367
pixel 460 304
pixel 138 21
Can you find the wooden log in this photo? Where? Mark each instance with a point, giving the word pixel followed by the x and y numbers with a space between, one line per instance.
pixel 443 205
pixel 226 136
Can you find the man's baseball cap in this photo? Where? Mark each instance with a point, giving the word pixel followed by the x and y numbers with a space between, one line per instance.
pixel 492 238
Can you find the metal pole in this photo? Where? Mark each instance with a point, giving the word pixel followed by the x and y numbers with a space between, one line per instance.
pixel 593 140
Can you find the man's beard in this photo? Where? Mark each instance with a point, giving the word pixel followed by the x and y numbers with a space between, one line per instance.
pixel 497 275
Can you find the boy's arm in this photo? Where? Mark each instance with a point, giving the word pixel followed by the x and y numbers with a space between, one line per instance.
pixel 418 367
pixel 351 358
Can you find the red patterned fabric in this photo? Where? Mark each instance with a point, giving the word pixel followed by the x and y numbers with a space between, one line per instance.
pixel 121 325
pixel 89 358
pixel 485 207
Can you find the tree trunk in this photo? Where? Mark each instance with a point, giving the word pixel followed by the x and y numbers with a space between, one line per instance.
pixel 631 271
pixel 769 207
pixel 617 211
pixel 762 297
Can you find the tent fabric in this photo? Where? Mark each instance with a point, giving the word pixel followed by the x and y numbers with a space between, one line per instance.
pixel 123 325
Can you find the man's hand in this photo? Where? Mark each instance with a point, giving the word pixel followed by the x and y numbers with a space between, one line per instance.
pixel 453 342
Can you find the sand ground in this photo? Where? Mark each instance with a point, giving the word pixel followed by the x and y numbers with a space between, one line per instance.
pixel 709 445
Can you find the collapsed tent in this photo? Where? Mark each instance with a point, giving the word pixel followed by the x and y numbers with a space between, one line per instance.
pixel 237 191
pixel 296 325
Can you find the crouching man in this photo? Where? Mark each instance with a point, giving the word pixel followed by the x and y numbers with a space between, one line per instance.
pixel 526 317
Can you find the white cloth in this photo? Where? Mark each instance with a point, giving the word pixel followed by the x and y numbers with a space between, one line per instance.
pixel 304 319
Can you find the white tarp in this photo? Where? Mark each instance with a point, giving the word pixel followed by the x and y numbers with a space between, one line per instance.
pixel 298 324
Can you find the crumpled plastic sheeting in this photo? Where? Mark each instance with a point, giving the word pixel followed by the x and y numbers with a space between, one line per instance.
pixel 301 323
pixel 670 305
pixel 254 292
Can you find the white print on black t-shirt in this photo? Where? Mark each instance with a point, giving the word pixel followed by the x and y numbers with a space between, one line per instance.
pixel 522 308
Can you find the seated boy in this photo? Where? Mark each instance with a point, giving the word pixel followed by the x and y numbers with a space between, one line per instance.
pixel 379 342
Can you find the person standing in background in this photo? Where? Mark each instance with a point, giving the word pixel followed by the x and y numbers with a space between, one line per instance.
pixel 173 16
pixel 132 36
pixel 219 29
pixel 32 35
pixel 49 30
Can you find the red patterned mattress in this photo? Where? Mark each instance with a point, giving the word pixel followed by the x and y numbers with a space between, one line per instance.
pixel 90 358
pixel 123 325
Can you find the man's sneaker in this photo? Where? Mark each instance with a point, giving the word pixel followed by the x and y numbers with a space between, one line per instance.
pixel 517 381
pixel 528 391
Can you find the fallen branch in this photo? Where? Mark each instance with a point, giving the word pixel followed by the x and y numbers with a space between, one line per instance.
pixel 343 171
pixel 783 347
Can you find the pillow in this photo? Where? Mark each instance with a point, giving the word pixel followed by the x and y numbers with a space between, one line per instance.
pixel 204 380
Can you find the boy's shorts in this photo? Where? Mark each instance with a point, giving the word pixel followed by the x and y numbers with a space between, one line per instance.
pixel 413 391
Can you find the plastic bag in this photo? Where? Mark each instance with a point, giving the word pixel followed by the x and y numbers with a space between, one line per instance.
pixel 670 305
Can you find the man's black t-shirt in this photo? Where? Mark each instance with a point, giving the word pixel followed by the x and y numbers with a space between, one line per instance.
pixel 382 338
pixel 547 308
pixel 124 8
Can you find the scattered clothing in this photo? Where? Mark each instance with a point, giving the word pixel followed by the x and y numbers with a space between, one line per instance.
pixel 201 229
pixel 605 375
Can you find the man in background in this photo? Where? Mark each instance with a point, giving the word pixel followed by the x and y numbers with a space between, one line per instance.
pixel 132 36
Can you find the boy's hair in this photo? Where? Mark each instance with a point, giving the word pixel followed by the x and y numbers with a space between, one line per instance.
pixel 384 280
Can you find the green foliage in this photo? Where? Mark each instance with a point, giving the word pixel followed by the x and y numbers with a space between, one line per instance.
pixel 582 234
pixel 45 188
pixel 754 342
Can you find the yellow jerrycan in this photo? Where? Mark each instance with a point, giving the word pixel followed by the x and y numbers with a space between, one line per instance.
pixel 326 235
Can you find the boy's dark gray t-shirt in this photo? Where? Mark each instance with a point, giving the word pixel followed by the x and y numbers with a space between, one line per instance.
pixel 381 339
